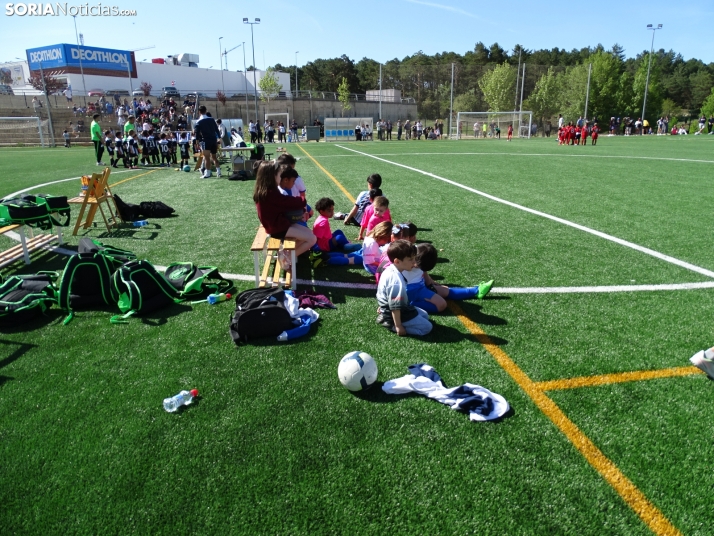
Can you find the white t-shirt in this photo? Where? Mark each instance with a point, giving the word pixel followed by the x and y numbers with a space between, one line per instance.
pixel 371 252
pixel 298 188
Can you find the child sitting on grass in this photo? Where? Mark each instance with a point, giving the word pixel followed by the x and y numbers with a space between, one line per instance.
pixel 355 215
pixel 401 231
pixel 394 311
pixel 374 214
pixel 336 244
pixel 424 293
pixel 373 246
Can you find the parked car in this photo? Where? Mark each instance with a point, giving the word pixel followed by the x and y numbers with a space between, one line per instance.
pixel 137 93
pixel 196 94
pixel 6 90
pixel 170 91
pixel 96 93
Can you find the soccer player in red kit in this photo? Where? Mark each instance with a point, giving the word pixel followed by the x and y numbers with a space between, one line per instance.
pixel 595 132
pixel 510 132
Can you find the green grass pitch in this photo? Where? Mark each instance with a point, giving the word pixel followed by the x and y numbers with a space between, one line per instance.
pixel 275 445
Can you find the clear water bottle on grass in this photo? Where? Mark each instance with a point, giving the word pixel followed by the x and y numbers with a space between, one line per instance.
pixel 184 398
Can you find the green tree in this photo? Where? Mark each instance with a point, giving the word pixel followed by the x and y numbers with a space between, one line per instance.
pixel 708 105
pixel 269 85
pixel 670 109
pixel 498 86
pixel 545 99
pixel 701 84
pixel 343 95
pixel 604 79
pixel 573 88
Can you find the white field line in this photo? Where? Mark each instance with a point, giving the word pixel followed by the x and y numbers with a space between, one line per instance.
pixel 10 196
pixel 520 154
pixel 600 234
pixel 494 290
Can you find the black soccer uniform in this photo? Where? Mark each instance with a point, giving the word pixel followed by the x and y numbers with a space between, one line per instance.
pixel 183 149
pixel 109 147
pixel 164 151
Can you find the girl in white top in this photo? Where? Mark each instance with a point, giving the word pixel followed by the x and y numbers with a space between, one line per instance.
pixel 378 238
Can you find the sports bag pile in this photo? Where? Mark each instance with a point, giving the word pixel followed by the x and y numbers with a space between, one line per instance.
pixel 24 297
pixel 259 313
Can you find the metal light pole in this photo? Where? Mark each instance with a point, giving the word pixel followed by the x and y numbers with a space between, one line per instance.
pixel 296 79
pixel 255 83
pixel 81 69
pixel 647 83
pixel 245 81
pixel 220 55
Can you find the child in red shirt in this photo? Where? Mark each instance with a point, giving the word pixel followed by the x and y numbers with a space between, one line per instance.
pixel 272 207
pixel 594 134
pixel 510 133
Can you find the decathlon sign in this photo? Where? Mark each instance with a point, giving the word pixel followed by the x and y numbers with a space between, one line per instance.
pixel 71 55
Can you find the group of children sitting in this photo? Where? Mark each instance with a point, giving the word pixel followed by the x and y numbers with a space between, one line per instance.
pixel 406 294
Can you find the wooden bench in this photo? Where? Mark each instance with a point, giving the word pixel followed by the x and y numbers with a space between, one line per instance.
pixel 25 247
pixel 271 274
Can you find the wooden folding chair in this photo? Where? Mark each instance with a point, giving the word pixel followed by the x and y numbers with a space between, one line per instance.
pixel 98 196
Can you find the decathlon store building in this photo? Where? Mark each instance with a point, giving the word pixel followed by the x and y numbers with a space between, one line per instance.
pixel 85 68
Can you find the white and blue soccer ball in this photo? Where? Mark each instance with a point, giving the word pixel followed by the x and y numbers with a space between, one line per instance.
pixel 357 371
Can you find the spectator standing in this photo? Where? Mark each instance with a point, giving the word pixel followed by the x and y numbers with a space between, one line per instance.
pixel 68 93
pixel 96 132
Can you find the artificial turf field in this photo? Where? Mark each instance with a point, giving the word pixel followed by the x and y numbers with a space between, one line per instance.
pixel 586 335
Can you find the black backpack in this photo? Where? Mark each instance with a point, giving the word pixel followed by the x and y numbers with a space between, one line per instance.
pixel 85 283
pixel 137 287
pixel 127 211
pixel 115 256
pixel 25 212
pixel 155 209
pixel 24 297
pixel 196 282
pixel 259 313
pixel 57 206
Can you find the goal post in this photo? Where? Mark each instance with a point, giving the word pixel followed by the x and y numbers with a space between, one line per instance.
pixel 470 125
pixel 24 131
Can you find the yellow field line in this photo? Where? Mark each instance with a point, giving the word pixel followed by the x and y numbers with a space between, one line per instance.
pixel 603 379
pixel 132 178
pixel 344 190
pixel 634 498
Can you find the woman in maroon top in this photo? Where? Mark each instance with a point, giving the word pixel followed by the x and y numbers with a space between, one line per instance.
pixel 272 206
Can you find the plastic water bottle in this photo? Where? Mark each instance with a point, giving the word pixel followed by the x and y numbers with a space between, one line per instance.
pixel 184 398
pixel 217 298
pixel 140 223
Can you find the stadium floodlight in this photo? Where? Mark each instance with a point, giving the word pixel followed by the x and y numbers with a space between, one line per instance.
pixel 220 56
pixel 649 65
pixel 255 84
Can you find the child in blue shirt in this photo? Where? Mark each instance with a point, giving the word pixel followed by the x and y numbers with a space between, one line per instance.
pixel 362 202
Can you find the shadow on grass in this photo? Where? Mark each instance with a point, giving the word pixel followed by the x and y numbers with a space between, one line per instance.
pixel 159 317
pixel 474 312
pixel 22 349
pixel 48 317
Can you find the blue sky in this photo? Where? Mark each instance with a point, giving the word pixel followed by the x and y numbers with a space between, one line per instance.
pixel 381 30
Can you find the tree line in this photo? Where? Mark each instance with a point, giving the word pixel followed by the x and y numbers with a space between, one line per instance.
pixel 555 81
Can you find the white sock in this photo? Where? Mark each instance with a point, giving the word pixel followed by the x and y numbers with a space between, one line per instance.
pixel 709 354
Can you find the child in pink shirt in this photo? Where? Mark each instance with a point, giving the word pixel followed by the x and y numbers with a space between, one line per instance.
pixel 374 214
pixel 336 249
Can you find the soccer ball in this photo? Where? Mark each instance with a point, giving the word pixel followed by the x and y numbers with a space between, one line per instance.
pixel 187 168
pixel 357 371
